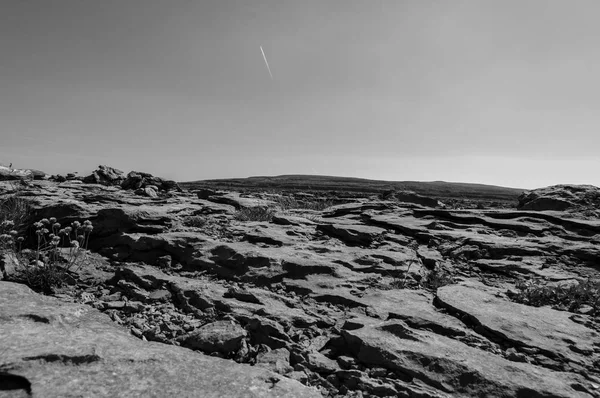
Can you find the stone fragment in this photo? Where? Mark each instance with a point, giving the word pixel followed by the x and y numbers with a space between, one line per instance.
pixel 220 336
pixel 277 360
pixel 320 363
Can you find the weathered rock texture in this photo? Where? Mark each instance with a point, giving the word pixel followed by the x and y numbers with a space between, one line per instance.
pixel 106 176
pixel 367 298
pixel 144 184
pixel 9 173
pixel 56 349
pixel 561 197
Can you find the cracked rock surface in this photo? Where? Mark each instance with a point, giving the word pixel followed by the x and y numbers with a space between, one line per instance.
pixel 62 349
pixel 365 298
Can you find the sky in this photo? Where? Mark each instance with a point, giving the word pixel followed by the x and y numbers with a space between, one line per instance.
pixel 485 91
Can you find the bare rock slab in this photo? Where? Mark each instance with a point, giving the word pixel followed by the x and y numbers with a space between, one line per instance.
pixel 362 235
pixel 57 349
pixel 548 330
pixel 451 368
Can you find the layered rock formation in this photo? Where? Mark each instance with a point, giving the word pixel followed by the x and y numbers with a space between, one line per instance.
pixel 367 298
pixel 561 197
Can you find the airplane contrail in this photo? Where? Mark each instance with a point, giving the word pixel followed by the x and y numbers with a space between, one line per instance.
pixel 266 62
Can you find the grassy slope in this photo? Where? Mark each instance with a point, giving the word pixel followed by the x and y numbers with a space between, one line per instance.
pixel 437 189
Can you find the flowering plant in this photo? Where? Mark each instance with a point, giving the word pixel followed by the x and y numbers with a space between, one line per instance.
pixel 57 251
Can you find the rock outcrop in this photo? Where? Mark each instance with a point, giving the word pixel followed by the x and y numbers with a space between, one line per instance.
pixel 560 198
pixel 143 184
pixel 105 175
pixel 8 173
pixel 137 180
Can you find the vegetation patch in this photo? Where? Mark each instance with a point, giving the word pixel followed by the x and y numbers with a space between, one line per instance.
pixel 582 295
pixel 57 252
pixel 437 278
pixel 195 221
pixel 254 214
pixel 15 210
pixel 291 203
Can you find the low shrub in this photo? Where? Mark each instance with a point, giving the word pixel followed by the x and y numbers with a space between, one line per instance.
pixel 254 214
pixel 57 252
pixel 570 297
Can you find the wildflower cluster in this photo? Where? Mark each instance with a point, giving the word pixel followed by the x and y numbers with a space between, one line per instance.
pixel 8 235
pixel 57 251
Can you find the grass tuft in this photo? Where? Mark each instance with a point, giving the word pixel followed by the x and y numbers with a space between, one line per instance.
pixel 15 210
pixel 437 278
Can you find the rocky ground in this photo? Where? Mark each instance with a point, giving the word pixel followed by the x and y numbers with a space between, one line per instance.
pixel 181 295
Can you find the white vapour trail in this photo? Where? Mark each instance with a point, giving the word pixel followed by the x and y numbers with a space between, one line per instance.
pixel 266 62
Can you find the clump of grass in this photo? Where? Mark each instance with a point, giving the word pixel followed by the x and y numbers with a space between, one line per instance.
pixel 16 210
pixel 57 252
pixel 437 278
pixel 401 283
pixel 254 214
pixel 570 297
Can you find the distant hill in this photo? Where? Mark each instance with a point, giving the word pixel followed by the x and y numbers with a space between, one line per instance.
pixel 437 189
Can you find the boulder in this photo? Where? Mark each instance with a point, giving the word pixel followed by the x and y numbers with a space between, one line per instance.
pixel 205 193
pixel 59 178
pixel 149 191
pixel 134 180
pixel 138 180
pixel 106 176
pixel 221 336
pixel 38 174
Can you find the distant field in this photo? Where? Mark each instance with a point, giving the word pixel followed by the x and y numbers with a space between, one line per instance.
pixel 437 189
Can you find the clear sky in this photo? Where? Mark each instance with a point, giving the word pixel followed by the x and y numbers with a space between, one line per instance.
pixel 503 92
